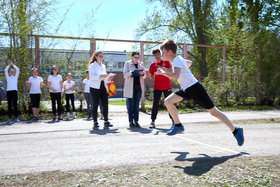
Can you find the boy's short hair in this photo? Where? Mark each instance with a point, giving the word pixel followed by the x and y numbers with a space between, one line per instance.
pixel 169 44
pixel 135 53
pixel 87 71
pixel 155 51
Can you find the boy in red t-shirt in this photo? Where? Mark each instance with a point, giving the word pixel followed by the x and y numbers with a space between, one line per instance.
pixel 161 83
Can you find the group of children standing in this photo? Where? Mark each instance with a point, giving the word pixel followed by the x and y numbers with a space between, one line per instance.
pixel 35 83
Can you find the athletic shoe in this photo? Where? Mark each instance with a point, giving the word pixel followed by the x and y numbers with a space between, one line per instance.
pixel 175 130
pixel 9 120
pixel 108 124
pixel 239 136
pixel 17 120
pixel 137 125
pixel 59 118
pixel 89 116
pixel 54 118
pixel 74 115
pixel 152 125
pixel 95 125
pixel 34 118
pixel 131 125
pixel 37 119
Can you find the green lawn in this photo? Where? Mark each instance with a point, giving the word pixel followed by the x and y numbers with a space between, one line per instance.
pixel 123 102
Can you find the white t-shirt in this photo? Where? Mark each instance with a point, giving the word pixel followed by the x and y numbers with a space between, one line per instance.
pixel 55 82
pixel 186 78
pixel 87 84
pixel 12 81
pixel 35 87
pixel 67 86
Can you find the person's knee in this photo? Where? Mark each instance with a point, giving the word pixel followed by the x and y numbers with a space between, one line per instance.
pixel 214 112
pixel 168 101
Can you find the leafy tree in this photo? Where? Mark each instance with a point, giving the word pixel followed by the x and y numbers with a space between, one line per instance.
pixel 231 30
pixel 263 16
pixel 183 20
pixel 22 18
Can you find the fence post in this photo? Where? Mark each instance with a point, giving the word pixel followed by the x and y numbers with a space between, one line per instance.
pixel 185 51
pixel 224 66
pixel 143 90
pixel 37 52
pixel 92 47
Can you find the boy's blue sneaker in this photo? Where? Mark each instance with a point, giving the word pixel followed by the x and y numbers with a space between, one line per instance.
pixel 17 120
pixel 175 130
pixel 9 120
pixel 239 136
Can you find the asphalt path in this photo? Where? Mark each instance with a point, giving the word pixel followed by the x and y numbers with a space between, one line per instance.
pixel 27 147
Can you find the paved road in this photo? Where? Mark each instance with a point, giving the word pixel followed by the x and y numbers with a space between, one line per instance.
pixel 73 145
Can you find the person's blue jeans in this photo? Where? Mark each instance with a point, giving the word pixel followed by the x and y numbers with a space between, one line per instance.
pixel 132 104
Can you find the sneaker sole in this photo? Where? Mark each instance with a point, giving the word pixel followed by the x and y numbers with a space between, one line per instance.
pixel 175 133
pixel 242 136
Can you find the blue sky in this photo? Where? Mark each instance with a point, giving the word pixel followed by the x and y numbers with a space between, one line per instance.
pixel 116 19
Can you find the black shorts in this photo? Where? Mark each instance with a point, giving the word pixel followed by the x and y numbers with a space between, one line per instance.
pixel 35 100
pixel 198 93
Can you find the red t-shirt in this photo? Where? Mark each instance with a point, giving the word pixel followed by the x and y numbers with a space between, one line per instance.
pixel 161 82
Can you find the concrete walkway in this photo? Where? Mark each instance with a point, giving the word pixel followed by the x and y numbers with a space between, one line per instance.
pixel 27 147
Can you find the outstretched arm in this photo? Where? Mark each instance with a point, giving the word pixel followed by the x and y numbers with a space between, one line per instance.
pixel 173 75
pixel 17 71
pixel 6 70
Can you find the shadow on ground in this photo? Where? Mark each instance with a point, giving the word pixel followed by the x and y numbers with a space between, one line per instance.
pixel 203 164
pixel 160 130
pixel 104 131
pixel 140 130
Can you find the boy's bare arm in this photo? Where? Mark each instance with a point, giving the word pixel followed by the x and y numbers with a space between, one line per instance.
pixel 167 70
pixel 189 63
pixel 173 75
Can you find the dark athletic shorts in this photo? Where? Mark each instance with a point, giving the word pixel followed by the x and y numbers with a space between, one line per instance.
pixel 35 100
pixel 198 93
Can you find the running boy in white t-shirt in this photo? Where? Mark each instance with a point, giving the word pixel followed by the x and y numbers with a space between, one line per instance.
pixel 190 89
pixel 69 90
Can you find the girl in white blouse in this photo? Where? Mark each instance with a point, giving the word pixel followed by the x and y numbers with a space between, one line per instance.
pixel 97 74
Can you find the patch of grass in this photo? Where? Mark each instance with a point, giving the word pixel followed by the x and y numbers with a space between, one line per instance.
pixel 217 171
pixel 122 102
pixel 247 107
pixel 231 108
